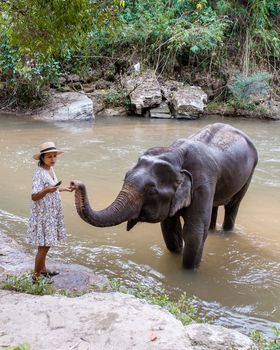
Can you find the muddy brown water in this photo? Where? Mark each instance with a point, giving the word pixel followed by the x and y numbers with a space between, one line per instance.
pixel 238 283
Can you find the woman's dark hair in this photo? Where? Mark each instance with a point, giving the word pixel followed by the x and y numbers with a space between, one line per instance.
pixel 41 159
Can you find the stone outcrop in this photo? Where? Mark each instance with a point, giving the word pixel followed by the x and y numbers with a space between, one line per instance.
pixel 104 321
pixel 179 100
pixel 188 102
pixel 66 106
pixel 144 91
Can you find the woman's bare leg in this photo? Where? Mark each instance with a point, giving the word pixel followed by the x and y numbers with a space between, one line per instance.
pixel 40 260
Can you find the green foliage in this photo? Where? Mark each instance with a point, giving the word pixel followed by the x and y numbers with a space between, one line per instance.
pixel 52 27
pixel 264 39
pixel 40 40
pixel 25 78
pixel 24 346
pixel 24 284
pixel 38 37
pixel 116 98
pixel 163 31
pixel 244 88
pixel 264 343
pixel 273 7
pixel 184 309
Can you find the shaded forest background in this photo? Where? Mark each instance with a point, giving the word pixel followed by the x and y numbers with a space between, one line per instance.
pixel 233 45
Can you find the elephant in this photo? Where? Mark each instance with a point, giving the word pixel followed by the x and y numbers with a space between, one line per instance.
pixel 188 180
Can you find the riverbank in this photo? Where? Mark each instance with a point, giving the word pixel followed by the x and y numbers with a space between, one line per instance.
pixel 95 320
pixel 144 94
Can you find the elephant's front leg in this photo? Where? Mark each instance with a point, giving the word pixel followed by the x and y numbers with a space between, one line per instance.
pixel 197 222
pixel 194 242
pixel 172 233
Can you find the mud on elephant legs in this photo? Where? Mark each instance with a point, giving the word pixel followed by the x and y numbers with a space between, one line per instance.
pixel 172 233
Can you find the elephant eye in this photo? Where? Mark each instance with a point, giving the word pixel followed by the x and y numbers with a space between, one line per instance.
pixel 151 189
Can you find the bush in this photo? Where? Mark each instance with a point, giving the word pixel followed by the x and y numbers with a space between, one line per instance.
pixel 25 80
pixel 116 98
pixel 245 87
pixel 162 32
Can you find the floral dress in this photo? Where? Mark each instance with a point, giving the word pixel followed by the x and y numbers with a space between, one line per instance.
pixel 46 221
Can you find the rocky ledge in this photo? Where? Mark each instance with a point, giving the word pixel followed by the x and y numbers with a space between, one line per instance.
pixel 95 320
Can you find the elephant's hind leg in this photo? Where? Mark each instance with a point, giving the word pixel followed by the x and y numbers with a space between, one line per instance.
pixel 213 218
pixel 231 209
pixel 172 233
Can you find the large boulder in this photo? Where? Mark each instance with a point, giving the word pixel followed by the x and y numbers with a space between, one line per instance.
pixel 185 101
pixel 188 102
pixel 105 321
pixel 143 90
pixel 169 87
pixel 66 106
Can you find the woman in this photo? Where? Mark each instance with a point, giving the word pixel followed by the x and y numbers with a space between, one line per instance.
pixel 46 222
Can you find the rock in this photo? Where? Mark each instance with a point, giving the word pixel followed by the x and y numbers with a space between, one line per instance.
pixel 273 109
pixel 72 277
pixel 62 80
pixel 185 101
pixel 188 102
pixel 64 88
pixel 204 336
pixel 98 99
pixel 144 91
pixel 162 112
pixel 88 88
pixel 73 78
pixel 112 112
pixel 102 84
pixel 105 321
pixel 169 87
pixel 66 106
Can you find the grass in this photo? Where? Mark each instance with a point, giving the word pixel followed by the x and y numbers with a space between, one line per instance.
pixel 264 343
pixel 184 309
pixel 24 346
pixel 24 284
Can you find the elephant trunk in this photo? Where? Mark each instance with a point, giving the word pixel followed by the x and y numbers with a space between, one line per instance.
pixel 125 207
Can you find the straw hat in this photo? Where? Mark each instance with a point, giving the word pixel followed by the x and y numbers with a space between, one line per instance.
pixel 46 147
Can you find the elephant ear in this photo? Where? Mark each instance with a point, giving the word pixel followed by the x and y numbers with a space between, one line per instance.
pixel 183 194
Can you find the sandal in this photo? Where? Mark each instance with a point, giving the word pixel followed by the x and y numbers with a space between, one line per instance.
pixel 49 273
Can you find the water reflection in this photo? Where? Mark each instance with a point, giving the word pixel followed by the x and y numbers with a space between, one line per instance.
pixel 238 281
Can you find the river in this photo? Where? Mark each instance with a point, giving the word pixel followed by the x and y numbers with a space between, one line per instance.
pixel 238 283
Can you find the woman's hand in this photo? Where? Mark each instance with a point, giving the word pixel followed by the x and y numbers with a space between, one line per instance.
pixel 51 189
pixel 66 189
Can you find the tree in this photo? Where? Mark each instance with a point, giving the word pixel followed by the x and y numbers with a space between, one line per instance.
pixel 50 27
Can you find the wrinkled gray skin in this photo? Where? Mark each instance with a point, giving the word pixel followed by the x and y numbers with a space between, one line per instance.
pixel 189 179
